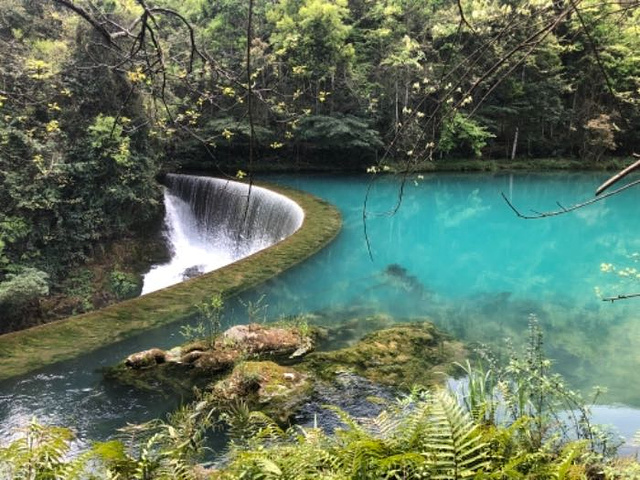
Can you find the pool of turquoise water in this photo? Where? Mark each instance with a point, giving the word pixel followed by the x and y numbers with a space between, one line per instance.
pixel 455 253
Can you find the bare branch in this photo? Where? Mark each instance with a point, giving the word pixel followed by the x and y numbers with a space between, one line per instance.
pixel 620 297
pixel 618 176
pixel 192 37
pixel 463 19
pixel 571 208
pixel 592 44
pixel 88 18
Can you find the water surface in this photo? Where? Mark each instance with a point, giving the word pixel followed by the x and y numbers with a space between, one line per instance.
pixel 454 253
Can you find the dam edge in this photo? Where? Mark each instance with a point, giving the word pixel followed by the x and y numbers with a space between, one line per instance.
pixel 28 350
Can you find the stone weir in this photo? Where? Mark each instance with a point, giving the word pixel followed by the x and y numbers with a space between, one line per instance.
pixel 314 221
pixel 243 220
pixel 212 222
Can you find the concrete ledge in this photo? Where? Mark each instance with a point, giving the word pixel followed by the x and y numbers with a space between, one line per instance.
pixel 27 350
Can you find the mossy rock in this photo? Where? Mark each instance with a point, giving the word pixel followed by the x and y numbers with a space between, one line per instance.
pixel 198 364
pixel 168 378
pixel 351 330
pixel 401 356
pixel 275 390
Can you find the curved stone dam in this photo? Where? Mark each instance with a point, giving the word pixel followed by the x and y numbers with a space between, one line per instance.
pixel 54 372
pixel 212 222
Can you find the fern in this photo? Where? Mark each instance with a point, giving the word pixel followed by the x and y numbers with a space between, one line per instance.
pixel 453 444
pixel 38 453
pixel 426 436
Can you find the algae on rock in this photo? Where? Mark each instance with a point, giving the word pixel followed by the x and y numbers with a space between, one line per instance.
pixel 252 363
pixel 402 356
pixel 275 390
pixel 199 363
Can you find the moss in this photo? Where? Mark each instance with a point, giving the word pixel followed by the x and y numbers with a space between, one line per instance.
pixel 273 389
pixel 197 364
pixel 37 347
pixel 351 330
pixel 167 379
pixel 402 356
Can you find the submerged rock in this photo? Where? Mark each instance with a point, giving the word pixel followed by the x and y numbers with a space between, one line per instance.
pixel 402 356
pixel 398 276
pixel 349 332
pixel 356 395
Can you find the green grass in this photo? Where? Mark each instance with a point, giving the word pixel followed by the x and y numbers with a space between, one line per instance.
pixel 30 349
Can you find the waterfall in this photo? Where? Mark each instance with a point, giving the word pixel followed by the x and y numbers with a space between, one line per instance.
pixel 210 222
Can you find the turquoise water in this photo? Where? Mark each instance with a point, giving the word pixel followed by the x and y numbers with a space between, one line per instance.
pixel 479 271
pixel 455 253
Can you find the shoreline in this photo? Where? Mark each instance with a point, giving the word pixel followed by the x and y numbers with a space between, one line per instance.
pixel 452 165
pixel 27 350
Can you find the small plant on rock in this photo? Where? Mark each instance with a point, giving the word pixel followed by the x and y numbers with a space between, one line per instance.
pixel 209 320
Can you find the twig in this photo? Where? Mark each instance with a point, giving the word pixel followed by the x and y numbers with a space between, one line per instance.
pixel 463 19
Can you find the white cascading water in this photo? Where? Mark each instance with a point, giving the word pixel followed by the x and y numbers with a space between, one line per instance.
pixel 209 225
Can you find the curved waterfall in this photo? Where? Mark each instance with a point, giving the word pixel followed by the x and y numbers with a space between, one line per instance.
pixel 211 222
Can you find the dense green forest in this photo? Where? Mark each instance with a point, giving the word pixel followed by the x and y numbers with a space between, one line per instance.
pixel 99 97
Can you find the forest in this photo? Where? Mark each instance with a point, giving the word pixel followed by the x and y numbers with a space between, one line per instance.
pixel 100 99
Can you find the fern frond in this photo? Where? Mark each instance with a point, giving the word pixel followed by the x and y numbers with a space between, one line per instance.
pixel 385 424
pixel 453 445
pixel 400 465
pixel 568 457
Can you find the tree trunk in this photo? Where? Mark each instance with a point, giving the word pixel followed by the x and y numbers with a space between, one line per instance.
pixel 397 111
pixel 515 144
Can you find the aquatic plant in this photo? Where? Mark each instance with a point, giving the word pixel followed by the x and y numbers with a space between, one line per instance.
pixel 256 310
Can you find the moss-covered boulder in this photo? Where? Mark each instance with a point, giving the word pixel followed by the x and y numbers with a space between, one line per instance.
pixel 199 363
pixel 274 389
pixel 350 330
pixel 403 355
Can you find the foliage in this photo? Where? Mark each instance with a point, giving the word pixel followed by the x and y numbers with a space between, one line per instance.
pixel 208 320
pixel 159 450
pixel 505 426
pixel 463 135
pixel 24 287
pixel 20 292
pixel 513 422
pixel 124 285
pixel 338 132
pixel 76 168
pixel 40 453
pixel 88 108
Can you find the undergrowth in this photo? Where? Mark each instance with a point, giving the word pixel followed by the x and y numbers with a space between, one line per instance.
pixel 508 422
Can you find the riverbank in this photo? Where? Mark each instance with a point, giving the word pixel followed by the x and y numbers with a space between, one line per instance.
pixel 37 347
pixel 445 165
